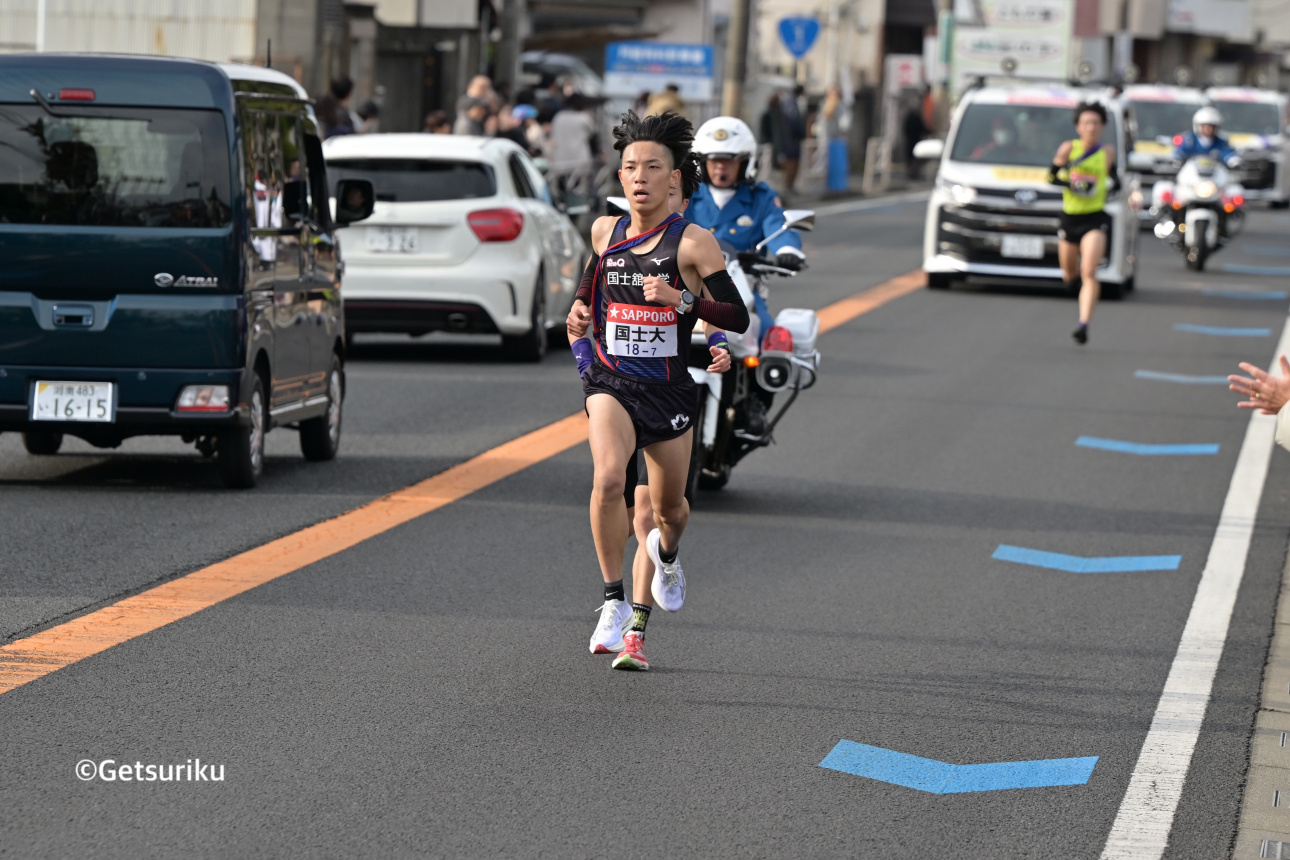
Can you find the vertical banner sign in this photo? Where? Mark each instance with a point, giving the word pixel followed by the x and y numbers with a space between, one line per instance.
pixel 632 68
pixel 1034 33
pixel 799 34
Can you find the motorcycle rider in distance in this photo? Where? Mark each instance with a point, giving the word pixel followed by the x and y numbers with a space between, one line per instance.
pixel 1205 141
pixel 734 206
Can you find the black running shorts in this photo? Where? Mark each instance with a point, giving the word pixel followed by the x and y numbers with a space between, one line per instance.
pixel 1075 227
pixel 659 410
pixel 633 479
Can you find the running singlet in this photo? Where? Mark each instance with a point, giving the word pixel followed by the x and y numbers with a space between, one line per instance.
pixel 1088 174
pixel 633 336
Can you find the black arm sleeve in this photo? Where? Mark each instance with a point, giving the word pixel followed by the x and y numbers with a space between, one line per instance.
pixel 584 288
pixel 726 307
pixel 1053 170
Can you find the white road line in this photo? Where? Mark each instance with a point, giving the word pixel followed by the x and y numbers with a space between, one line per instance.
pixel 849 206
pixel 1141 828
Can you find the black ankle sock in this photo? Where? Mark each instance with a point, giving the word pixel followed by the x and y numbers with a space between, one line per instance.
pixel 666 556
pixel 614 590
pixel 640 617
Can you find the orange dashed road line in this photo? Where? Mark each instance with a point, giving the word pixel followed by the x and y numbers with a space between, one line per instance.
pixel 67 643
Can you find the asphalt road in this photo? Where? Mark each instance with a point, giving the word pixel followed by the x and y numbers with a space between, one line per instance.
pixel 429 692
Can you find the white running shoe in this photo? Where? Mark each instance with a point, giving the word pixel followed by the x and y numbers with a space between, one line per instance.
pixel 668 585
pixel 615 620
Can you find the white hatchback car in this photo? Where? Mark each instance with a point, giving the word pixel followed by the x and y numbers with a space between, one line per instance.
pixel 464 239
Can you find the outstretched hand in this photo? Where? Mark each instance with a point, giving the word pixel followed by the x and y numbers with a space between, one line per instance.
pixel 1266 393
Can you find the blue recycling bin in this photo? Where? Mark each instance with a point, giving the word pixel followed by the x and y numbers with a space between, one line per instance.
pixel 839 171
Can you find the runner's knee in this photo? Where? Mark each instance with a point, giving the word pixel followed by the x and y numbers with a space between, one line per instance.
pixel 607 488
pixel 672 513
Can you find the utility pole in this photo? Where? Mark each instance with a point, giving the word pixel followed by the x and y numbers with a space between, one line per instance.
pixel 508 49
pixel 41 14
pixel 732 92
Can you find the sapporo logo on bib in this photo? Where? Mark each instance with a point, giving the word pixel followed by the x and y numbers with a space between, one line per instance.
pixel 641 331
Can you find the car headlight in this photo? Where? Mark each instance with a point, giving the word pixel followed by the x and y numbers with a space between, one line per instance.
pixel 1205 189
pixel 962 194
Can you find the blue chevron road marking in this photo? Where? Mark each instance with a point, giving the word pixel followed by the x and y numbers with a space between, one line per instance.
pixel 940 777
pixel 1144 450
pixel 1271 295
pixel 1240 269
pixel 1223 332
pixel 1079 564
pixel 1182 378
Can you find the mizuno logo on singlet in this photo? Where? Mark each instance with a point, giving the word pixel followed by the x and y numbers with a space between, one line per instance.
pixel 658 261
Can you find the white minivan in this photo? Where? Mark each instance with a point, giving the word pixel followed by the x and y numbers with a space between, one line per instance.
pixel 1254 121
pixel 992 214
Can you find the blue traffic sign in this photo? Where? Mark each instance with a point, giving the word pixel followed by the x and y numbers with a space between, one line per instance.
pixel 799 34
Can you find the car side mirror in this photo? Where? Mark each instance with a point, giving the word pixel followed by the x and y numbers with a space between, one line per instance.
pixel 355 200
pixel 799 219
pixel 930 149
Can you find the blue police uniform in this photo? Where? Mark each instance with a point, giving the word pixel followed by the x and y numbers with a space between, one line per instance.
pixel 750 216
pixel 1192 146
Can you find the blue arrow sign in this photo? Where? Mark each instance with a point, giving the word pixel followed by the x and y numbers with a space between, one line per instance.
pixel 1242 269
pixel 1181 378
pixel 1079 564
pixel 1223 332
pixel 1143 450
pixel 799 34
pixel 941 777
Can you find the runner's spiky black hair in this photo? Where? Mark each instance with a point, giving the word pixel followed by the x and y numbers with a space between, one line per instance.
pixel 691 175
pixel 1090 107
pixel 670 130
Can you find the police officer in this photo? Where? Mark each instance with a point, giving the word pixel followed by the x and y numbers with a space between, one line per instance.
pixel 733 205
pixel 1205 141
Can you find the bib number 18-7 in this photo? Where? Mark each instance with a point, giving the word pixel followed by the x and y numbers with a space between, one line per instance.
pixel 641 331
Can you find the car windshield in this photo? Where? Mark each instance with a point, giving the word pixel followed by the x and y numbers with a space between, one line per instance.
pixel 1016 134
pixel 114 167
pixel 1163 119
pixel 417 180
pixel 1249 117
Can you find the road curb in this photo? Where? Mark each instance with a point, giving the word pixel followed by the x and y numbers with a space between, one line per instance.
pixel 1263 829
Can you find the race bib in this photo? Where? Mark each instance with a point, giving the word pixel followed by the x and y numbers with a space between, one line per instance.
pixel 1083 184
pixel 641 331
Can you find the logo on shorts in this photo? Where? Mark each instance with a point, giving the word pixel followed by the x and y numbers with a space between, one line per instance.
pixel 680 421
pixel 615 264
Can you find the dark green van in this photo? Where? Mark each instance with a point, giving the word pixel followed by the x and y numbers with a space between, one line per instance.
pixel 169 258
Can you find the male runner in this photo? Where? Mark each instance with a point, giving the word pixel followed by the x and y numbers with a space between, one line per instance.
pixel 639 393
pixel 1089 169
pixel 616 612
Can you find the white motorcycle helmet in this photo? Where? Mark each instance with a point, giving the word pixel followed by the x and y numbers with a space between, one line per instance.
pixel 1207 115
pixel 728 137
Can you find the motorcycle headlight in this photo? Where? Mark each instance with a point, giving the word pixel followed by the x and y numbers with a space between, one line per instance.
pixel 1205 189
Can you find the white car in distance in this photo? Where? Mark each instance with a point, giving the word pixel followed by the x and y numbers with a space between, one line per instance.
pixel 463 239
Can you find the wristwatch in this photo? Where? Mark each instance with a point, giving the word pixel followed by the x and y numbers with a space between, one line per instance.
pixel 687 302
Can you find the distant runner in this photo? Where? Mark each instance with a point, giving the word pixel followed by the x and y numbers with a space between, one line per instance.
pixel 1087 170
pixel 639 392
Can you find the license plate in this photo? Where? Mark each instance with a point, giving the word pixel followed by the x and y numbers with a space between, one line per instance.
pixel 73 401
pixel 1027 247
pixel 392 240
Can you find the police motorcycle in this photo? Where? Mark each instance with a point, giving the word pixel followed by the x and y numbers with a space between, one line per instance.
pixel 734 416
pixel 1203 208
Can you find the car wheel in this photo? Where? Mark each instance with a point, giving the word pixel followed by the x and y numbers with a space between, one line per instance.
pixel 239 452
pixel 939 281
pixel 42 442
pixel 1280 204
pixel 530 346
pixel 320 437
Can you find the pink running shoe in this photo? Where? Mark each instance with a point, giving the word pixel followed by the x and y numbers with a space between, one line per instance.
pixel 633 656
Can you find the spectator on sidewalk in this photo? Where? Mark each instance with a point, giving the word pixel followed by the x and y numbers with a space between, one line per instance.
pixel 370 116
pixel 669 99
pixel 914 129
pixel 332 109
pixel 1268 394
pixel 794 134
pixel 471 116
pixel 437 123
pixel 573 147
